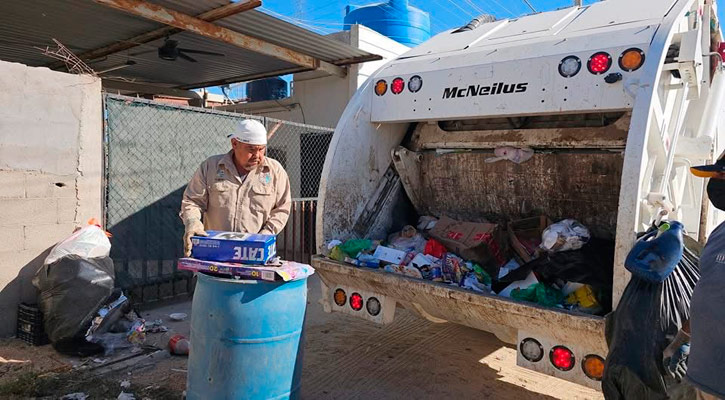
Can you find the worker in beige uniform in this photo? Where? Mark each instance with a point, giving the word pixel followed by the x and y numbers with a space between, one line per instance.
pixel 240 191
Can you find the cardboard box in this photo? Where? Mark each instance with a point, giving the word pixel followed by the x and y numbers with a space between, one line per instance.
pixel 480 242
pixel 247 248
pixel 388 255
pixel 286 271
pixel 525 236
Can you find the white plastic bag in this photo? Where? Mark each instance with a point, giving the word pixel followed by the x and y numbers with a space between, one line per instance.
pixel 565 235
pixel 88 242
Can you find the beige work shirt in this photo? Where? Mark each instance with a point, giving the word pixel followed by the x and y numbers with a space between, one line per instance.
pixel 259 203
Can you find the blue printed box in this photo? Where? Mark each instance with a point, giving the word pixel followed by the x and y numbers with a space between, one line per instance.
pixel 244 248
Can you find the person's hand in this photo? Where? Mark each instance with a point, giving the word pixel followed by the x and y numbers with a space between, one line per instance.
pixel 674 357
pixel 676 365
pixel 192 227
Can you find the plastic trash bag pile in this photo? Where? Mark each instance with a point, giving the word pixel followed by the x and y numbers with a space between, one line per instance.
pixel 552 264
pixel 82 312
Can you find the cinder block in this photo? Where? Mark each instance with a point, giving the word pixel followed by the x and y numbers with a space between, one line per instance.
pixel 11 238
pixel 12 184
pixel 28 292
pixel 13 261
pixel 35 150
pixel 9 281
pixel 67 210
pixel 41 237
pixel 15 212
pixel 38 185
pixel 13 265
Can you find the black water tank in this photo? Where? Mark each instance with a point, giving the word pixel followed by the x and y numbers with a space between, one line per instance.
pixel 267 89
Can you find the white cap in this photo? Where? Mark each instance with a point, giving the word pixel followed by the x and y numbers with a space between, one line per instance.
pixel 250 131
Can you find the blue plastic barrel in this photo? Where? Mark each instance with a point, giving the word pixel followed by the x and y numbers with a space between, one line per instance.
pixel 246 339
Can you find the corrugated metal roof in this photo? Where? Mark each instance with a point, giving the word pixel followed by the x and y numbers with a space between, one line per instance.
pixel 82 25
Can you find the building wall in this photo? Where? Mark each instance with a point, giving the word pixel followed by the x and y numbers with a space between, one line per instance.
pixel 50 171
pixel 320 99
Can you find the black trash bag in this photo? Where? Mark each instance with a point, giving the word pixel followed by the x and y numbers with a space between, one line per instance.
pixel 72 290
pixel 591 265
pixel 648 316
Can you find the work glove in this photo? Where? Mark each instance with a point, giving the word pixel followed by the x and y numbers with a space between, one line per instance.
pixel 192 227
pixel 674 357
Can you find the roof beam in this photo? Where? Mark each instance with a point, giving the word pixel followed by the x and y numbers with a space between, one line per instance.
pixel 209 16
pixel 245 78
pixel 186 22
pixel 148 89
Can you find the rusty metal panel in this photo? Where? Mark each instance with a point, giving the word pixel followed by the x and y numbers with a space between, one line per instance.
pixel 83 26
pixel 584 136
pixel 582 185
pixel 209 16
pixel 183 21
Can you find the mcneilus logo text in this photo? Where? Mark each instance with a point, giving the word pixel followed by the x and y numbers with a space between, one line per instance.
pixel 481 90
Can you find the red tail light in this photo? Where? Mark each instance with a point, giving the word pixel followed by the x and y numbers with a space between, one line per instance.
pixel 562 358
pixel 599 63
pixel 356 302
pixel 397 85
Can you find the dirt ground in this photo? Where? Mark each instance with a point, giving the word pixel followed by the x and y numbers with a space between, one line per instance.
pixel 345 357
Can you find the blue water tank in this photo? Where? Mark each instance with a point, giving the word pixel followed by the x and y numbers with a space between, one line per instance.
pixel 267 89
pixel 246 339
pixel 395 19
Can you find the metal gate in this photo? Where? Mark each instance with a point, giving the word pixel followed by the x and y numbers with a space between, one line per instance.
pixel 152 149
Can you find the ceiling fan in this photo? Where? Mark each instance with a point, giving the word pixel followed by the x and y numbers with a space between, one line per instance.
pixel 170 51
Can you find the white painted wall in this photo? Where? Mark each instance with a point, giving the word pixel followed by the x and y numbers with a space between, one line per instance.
pixel 50 171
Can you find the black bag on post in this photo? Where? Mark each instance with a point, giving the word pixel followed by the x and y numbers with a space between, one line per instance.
pixel 648 316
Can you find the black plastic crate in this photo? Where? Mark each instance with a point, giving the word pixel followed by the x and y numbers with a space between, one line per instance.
pixel 30 325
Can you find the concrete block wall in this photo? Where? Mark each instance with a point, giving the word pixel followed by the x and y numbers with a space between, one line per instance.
pixel 51 168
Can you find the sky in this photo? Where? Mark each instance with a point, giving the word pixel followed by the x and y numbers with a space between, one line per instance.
pixel 326 16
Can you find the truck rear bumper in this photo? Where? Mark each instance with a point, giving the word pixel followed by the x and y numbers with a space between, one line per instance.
pixel 437 301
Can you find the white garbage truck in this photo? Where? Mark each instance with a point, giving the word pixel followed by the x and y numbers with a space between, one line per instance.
pixel 617 100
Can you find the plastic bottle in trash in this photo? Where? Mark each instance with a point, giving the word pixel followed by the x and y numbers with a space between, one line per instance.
pixel 364 261
pixel 656 254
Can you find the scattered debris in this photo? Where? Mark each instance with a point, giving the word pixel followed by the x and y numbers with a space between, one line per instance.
pixel 178 316
pixel 156 327
pixel 179 370
pixel 100 360
pixel 126 396
pixel 72 62
pixel 75 396
pixel 125 384
pixel 11 361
